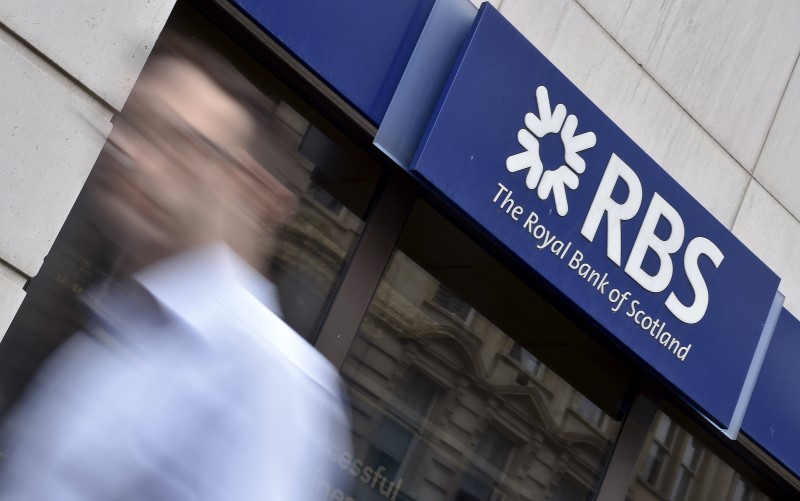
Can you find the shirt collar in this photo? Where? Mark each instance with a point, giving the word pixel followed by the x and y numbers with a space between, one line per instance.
pixel 205 284
pixel 185 283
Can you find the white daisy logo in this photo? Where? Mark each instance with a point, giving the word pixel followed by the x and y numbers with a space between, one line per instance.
pixel 551 121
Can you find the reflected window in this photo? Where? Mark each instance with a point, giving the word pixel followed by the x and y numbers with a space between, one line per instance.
pixel 483 480
pixel 743 491
pixel 658 451
pixel 417 394
pixel 679 468
pixel 494 448
pixel 530 364
pixel 325 199
pixel 390 443
pixel 569 490
pixel 686 472
pixel 439 404
pixel 473 489
pixel 588 411
pixel 451 303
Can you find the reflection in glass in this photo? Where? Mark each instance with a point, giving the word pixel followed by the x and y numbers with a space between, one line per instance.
pixel 743 491
pixel 679 468
pixel 530 364
pixel 658 450
pixel 333 179
pixel 590 412
pixel 314 244
pixel 446 406
pixel 445 298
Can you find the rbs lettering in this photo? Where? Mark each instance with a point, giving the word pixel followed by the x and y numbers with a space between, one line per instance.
pixel 647 240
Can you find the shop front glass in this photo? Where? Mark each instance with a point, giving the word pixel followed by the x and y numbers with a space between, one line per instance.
pixel 446 405
pixel 675 465
pixel 333 180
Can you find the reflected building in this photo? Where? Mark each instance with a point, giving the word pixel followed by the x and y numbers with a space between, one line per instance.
pixel 461 411
pixel 451 397
pixel 674 465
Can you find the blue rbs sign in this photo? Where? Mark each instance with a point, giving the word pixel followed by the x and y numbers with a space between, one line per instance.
pixel 516 146
pixel 359 47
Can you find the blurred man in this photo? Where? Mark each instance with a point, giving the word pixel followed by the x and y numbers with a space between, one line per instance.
pixel 186 385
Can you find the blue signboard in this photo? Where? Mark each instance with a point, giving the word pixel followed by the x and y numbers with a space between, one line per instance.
pixel 359 47
pixel 519 149
pixel 772 419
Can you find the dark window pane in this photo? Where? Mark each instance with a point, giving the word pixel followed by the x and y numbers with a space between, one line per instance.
pixel 495 420
pixel 494 448
pixel 451 303
pixel 569 490
pixel 678 467
pixel 332 178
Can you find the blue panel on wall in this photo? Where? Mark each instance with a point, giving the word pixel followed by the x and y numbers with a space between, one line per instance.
pixel 772 418
pixel 424 78
pixel 519 149
pixel 360 47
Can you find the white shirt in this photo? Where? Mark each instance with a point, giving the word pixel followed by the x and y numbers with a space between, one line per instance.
pixel 208 396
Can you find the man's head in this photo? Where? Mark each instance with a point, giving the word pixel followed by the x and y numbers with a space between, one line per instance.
pixel 176 172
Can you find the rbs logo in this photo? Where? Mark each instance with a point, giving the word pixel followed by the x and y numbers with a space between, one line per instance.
pixel 557 181
pixel 566 175
pixel 646 239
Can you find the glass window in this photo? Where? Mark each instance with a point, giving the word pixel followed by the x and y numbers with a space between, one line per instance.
pixel 333 179
pixel 568 490
pixel 475 413
pixel 590 412
pixel 658 450
pixel 686 471
pixel 452 303
pixel 679 468
pixel 494 448
pixel 743 491
pixel 489 460
pixel 530 364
